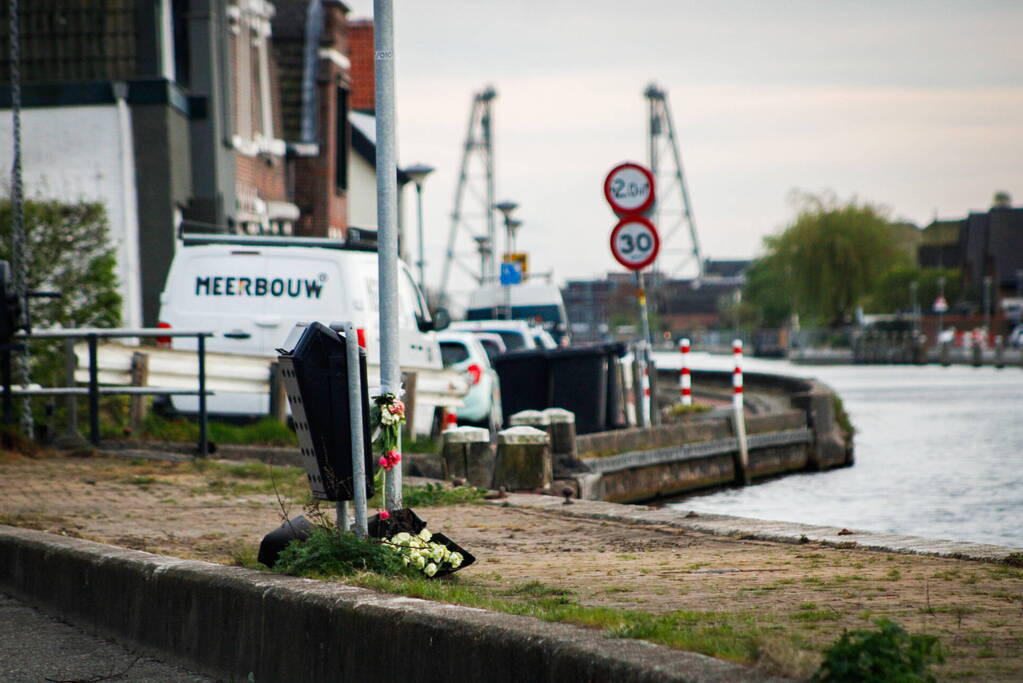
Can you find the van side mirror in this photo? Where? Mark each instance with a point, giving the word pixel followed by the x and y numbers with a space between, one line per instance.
pixel 441 319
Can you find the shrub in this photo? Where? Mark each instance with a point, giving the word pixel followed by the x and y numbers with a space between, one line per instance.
pixel 888 654
pixel 326 552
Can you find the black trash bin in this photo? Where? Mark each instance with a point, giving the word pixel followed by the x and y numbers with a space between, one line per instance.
pixel 525 381
pixel 578 377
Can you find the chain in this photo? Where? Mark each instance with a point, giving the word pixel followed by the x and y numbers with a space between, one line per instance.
pixel 20 265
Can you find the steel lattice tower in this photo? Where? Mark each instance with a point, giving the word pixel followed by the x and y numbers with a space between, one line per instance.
pixel 475 179
pixel 671 186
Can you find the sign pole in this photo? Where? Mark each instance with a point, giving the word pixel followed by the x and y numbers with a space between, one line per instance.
pixel 387 219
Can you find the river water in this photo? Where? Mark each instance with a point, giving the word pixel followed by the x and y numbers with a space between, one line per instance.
pixel 939 453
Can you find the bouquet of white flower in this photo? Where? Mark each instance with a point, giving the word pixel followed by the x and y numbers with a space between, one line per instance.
pixel 421 552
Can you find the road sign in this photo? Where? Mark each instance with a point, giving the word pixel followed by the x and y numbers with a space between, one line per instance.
pixel 634 242
pixel 940 305
pixel 629 189
pixel 511 274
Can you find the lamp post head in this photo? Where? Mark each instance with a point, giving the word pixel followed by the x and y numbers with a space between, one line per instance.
pixel 418 173
pixel 506 207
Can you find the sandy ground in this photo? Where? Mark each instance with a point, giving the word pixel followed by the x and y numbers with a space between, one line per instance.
pixel 803 596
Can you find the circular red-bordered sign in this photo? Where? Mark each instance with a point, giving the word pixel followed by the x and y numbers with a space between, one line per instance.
pixel 629 189
pixel 634 242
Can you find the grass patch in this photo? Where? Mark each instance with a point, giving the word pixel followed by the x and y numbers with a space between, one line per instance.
pixel 266 432
pixel 679 410
pixel 733 636
pixel 433 495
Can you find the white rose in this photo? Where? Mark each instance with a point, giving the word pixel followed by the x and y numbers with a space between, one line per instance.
pixel 456 560
pixel 420 562
pixel 430 569
pixel 425 534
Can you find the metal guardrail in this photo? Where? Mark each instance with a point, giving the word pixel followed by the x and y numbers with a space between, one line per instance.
pixel 93 391
pixel 693 451
pixel 247 374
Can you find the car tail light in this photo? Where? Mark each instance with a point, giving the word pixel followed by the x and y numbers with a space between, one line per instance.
pixel 163 342
pixel 360 334
pixel 474 373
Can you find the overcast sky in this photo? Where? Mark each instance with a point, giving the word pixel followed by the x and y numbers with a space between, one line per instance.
pixel 915 105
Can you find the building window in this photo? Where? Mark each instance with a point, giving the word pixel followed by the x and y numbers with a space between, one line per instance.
pixel 249 24
pixel 343 137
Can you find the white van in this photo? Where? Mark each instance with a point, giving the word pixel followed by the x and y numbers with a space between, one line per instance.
pixel 251 291
pixel 537 303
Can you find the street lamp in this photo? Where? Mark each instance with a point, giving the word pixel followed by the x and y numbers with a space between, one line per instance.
pixel 483 245
pixel 987 304
pixel 506 207
pixel 418 173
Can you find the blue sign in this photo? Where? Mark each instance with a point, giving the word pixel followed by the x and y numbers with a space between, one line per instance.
pixel 511 274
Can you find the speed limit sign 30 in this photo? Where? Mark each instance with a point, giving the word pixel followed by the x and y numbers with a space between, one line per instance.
pixel 634 242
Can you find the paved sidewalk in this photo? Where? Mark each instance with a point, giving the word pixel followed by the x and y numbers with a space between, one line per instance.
pixel 35 648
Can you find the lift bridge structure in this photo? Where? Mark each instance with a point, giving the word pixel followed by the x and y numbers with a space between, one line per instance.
pixel 473 215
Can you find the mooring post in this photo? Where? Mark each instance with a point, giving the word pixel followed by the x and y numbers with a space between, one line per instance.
pixel 999 352
pixel 946 353
pixel 977 349
pixel 467 454
pixel 523 459
pixel 685 381
pixel 739 415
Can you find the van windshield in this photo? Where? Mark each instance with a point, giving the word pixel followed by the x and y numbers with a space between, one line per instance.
pixel 513 341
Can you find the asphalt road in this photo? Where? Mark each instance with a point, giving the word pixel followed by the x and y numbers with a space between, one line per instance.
pixel 36 648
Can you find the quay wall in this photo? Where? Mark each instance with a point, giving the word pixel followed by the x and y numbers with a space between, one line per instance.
pixel 792 425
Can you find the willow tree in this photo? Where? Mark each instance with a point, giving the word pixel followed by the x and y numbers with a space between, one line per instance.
pixel 829 259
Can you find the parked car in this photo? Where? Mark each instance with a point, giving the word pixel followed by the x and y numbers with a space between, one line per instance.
pixel 462 351
pixel 492 344
pixel 516 334
pixel 1015 339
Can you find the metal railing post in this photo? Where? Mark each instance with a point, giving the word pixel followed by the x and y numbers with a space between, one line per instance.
pixel 203 440
pixel 355 425
pixel 93 391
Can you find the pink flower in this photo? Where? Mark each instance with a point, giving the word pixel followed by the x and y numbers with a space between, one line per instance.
pixel 397 408
pixel 384 514
pixel 383 462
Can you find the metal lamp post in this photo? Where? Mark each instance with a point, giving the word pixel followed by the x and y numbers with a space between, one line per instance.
pixel 418 173
pixel 941 311
pixel 987 304
pixel 483 246
pixel 513 227
pixel 506 207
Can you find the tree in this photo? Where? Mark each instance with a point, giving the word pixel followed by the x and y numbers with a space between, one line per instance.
pixel 894 291
pixel 68 251
pixel 827 261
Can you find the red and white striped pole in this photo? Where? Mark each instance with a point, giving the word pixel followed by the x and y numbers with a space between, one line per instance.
pixel 645 386
pixel 685 380
pixel 743 473
pixel 737 374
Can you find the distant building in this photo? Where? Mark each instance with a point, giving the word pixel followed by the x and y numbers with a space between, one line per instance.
pixel 235 116
pixel 681 306
pixel 982 245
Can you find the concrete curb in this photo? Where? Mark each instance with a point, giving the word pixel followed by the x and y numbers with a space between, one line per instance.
pixel 763 530
pixel 232 622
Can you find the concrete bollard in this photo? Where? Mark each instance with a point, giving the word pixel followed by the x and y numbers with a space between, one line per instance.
pixel 562 431
pixel 523 459
pixel 946 353
pixel 466 453
pixel 977 351
pixel 532 418
pixel 999 352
